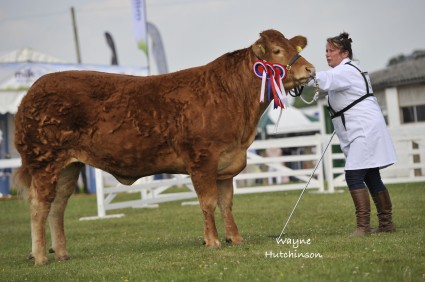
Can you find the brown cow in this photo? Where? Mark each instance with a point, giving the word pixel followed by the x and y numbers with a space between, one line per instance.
pixel 198 121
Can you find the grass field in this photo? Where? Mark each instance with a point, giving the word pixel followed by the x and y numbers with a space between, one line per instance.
pixel 165 244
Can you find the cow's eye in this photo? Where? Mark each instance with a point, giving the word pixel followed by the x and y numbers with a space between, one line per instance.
pixel 276 51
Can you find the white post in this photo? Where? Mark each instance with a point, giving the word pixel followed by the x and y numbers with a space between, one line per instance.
pixel 100 196
pixel 319 149
pixel 393 107
pixel 328 163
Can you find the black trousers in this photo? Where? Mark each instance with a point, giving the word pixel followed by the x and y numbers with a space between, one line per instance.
pixel 368 177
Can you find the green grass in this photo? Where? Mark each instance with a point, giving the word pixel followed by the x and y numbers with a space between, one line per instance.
pixel 165 244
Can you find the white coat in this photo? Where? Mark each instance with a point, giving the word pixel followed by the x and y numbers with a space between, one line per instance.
pixel 365 140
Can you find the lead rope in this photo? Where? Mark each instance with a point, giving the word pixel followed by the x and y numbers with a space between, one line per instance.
pixel 316 93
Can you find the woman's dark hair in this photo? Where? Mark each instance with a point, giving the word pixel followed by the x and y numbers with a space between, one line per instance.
pixel 342 42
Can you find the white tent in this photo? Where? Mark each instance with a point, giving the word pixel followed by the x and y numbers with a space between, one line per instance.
pixel 28 55
pixel 292 120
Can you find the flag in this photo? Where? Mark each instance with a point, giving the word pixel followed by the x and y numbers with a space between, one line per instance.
pixel 139 22
pixel 111 44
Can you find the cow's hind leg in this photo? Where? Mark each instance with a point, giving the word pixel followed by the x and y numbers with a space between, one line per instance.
pixel 225 202
pixel 66 186
pixel 207 195
pixel 41 194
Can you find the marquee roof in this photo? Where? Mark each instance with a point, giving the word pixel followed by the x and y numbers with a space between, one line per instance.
pixel 28 55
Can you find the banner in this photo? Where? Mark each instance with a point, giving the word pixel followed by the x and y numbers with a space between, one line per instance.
pixel 139 23
pixel 157 48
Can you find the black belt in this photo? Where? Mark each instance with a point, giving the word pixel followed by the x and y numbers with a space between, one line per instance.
pixel 340 113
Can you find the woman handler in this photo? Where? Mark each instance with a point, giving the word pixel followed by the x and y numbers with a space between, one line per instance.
pixel 361 129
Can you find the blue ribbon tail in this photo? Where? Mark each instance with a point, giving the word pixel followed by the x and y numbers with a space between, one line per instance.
pixel 268 89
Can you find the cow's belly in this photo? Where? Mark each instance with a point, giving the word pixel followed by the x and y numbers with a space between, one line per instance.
pixel 231 163
pixel 130 156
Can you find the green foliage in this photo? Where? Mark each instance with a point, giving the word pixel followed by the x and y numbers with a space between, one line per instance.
pixel 165 244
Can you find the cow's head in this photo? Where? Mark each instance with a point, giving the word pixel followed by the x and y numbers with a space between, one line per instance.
pixel 273 47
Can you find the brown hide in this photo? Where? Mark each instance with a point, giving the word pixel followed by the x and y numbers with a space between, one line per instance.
pixel 198 121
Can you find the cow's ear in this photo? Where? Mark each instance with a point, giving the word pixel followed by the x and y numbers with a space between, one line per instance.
pixel 299 40
pixel 259 48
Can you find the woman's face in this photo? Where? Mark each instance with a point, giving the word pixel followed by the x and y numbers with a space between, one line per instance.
pixel 334 56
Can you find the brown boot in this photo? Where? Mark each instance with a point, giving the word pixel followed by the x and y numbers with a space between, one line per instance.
pixel 384 208
pixel 362 203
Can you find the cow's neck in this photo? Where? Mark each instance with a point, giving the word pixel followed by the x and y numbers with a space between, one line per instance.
pixel 241 80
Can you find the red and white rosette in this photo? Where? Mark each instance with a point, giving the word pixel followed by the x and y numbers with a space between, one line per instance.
pixel 273 73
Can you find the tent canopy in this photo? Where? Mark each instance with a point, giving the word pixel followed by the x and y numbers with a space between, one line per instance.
pixel 291 120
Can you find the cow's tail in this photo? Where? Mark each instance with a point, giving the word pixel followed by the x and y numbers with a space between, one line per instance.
pixel 22 181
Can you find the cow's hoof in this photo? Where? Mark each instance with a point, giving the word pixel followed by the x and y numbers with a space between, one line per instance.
pixel 215 247
pixel 212 244
pixel 51 251
pixel 42 261
pixel 62 258
pixel 30 257
pixel 237 240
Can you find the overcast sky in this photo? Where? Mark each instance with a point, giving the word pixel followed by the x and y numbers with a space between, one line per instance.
pixel 195 32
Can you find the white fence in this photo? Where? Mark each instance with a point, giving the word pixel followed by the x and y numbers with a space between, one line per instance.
pixel 262 169
pixel 410 166
pixel 10 163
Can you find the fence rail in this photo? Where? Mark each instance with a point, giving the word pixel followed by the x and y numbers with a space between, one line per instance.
pixel 410 168
pixel 10 163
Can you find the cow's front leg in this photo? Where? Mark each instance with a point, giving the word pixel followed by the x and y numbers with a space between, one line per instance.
pixel 207 196
pixel 225 202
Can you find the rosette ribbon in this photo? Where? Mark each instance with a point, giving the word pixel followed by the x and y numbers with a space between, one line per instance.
pixel 273 74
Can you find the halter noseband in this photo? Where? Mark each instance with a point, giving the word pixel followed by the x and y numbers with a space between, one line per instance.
pixel 297 90
pixel 292 61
